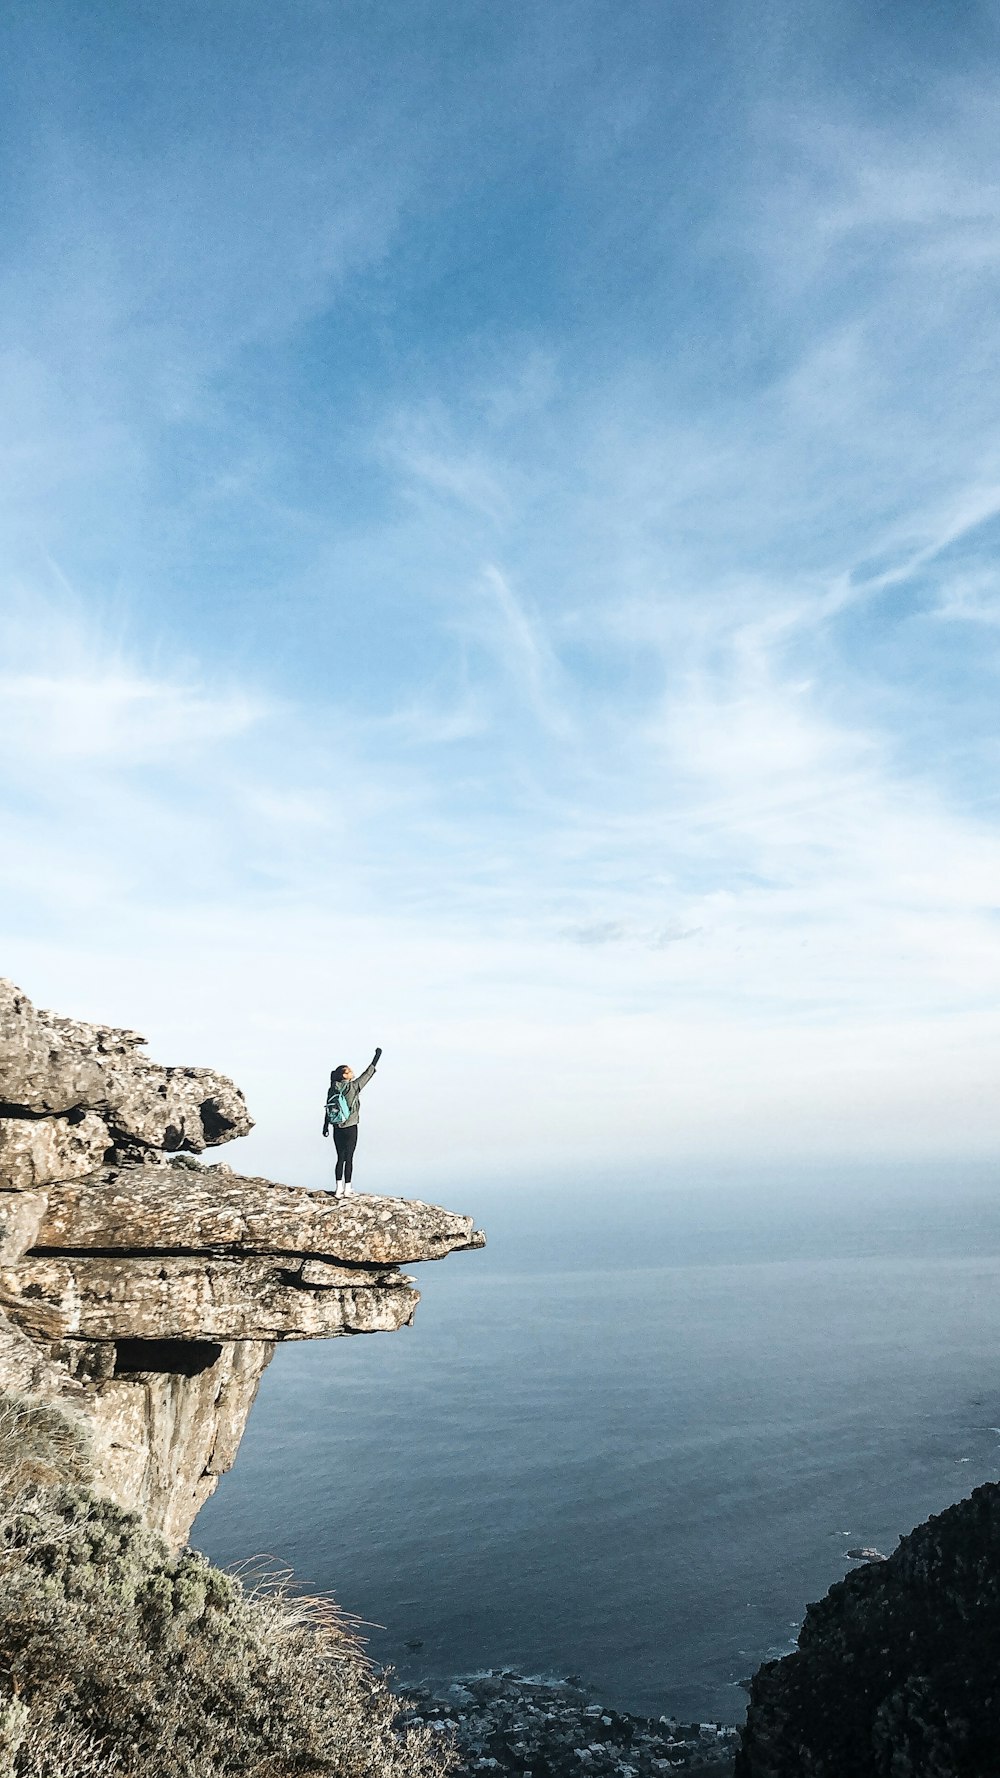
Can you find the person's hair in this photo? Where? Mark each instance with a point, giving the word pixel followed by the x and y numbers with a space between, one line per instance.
pixel 339 1072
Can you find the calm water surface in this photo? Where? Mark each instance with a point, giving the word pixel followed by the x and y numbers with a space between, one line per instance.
pixel 634 1437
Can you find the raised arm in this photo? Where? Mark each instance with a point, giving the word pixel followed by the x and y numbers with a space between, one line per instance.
pixel 363 1079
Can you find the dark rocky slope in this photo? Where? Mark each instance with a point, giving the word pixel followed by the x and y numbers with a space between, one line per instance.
pixel 897 1671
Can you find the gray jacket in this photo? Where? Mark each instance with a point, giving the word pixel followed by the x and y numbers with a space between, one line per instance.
pixel 351 1090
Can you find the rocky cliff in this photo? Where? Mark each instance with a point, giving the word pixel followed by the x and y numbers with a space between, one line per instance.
pixel 146 1290
pixel 897 1671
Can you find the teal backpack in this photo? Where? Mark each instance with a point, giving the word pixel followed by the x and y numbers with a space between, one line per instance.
pixel 337 1109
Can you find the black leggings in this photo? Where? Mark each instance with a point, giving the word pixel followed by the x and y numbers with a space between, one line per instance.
pixel 345 1142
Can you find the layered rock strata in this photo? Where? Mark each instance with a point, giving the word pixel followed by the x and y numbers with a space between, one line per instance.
pixel 149 1290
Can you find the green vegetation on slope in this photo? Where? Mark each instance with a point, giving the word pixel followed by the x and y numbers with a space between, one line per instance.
pixel 117 1657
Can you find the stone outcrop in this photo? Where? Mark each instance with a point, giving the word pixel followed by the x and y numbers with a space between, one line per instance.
pixel 135 1209
pixel 60 1067
pixel 196 1297
pixel 165 1436
pixel 36 1150
pixel 896 1674
pixel 147 1290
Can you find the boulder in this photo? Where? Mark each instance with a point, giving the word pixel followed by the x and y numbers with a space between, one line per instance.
pixel 36 1150
pixel 50 1065
pixel 21 1216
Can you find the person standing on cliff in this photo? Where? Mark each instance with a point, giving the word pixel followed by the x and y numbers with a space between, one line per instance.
pixel 342 1109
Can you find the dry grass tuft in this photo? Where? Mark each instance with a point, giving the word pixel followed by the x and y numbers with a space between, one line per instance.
pixel 120 1658
pixel 40 1445
pixel 282 1601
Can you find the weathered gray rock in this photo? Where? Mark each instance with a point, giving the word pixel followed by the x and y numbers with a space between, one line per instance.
pixel 139 1209
pixel 36 1150
pixel 148 1296
pixel 27 1368
pixel 21 1216
pixel 324 1273
pixel 162 1439
pixel 50 1065
pixel 194 1298
pixel 46 1064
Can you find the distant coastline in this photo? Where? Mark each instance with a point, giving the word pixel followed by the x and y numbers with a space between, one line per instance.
pixel 510 1723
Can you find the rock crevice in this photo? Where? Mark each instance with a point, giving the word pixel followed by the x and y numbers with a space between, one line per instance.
pixel 149 1291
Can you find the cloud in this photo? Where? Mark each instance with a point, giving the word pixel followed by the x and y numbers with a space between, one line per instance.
pixel 608 932
pixel 600 932
pixel 532 648
pixel 130 720
pixel 772 927
pixel 971 596
pixel 425 450
pixel 517 637
pixel 673 935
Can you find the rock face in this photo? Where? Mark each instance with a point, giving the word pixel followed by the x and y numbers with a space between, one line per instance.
pixel 136 1209
pixel 166 1436
pixel 36 1150
pixel 897 1671
pixel 196 1298
pixel 148 1291
pixel 50 1066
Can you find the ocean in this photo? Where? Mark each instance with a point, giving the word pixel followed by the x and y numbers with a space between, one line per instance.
pixel 638 1432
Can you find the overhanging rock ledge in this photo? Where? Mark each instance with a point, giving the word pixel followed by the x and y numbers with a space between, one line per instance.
pixel 148 1290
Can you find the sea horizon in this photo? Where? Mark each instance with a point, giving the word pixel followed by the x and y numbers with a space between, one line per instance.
pixel 632 1438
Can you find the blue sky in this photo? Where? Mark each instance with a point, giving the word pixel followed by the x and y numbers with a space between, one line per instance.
pixel 498 518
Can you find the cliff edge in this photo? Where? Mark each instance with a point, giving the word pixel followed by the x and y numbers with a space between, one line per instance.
pixel 144 1290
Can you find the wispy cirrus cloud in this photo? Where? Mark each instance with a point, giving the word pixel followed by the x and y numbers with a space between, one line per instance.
pixel 507 556
pixel 127 719
pixel 744 879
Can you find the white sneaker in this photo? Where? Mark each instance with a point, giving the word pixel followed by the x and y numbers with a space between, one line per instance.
pixel 348 1191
